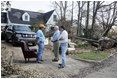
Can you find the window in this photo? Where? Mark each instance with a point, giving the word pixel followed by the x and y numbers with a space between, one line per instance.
pixel 26 17
pixel 54 18
pixel 22 28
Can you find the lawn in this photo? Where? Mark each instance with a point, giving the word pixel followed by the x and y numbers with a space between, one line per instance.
pixel 92 55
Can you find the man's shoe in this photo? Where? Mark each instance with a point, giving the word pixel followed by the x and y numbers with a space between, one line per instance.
pixel 42 60
pixel 60 67
pixel 54 60
pixel 39 62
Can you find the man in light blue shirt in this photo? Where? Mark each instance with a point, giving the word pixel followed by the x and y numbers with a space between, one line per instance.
pixel 56 43
pixel 40 38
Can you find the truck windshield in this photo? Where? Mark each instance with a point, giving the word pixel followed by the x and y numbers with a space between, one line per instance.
pixel 22 28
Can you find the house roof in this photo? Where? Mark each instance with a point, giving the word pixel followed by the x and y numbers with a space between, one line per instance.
pixel 47 16
pixel 15 16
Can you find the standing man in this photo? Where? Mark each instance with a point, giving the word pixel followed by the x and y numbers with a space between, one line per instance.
pixel 64 45
pixel 56 43
pixel 40 38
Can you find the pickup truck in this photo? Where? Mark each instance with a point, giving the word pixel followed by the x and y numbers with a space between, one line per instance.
pixel 16 33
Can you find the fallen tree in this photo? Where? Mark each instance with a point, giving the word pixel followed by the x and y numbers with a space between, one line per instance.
pixel 102 43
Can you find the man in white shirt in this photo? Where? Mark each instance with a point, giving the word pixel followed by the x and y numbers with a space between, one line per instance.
pixel 64 45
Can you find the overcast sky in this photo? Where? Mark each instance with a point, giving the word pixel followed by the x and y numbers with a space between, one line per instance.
pixel 36 5
pixel 32 5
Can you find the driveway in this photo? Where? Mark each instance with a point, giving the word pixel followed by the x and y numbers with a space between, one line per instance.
pixel 107 72
pixel 49 69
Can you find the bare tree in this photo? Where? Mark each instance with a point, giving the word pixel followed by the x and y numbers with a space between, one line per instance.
pixel 87 18
pixel 111 21
pixel 56 6
pixel 72 13
pixel 96 7
pixel 78 29
pixel 63 9
pixel 80 14
pixel 108 16
pixel 62 6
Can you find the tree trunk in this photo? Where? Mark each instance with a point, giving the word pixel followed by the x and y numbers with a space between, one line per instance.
pixel 61 12
pixel 95 9
pixel 93 20
pixel 72 13
pixel 64 9
pixel 80 23
pixel 87 18
pixel 78 28
pixel 105 32
pixel 112 21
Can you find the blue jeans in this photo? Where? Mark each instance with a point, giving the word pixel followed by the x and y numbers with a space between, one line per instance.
pixel 40 51
pixel 64 47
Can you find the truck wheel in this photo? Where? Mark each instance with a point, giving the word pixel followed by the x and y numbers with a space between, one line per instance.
pixel 34 44
pixel 13 42
pixel 6 39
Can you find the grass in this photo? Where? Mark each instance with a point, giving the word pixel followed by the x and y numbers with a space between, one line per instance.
pixel 92 55
pixel 81 45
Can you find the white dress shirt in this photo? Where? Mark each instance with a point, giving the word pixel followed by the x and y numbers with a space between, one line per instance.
pixel 64 35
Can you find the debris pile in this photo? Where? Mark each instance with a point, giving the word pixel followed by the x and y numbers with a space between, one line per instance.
pixel 106 43
pixel 71 47
pixel 8 68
